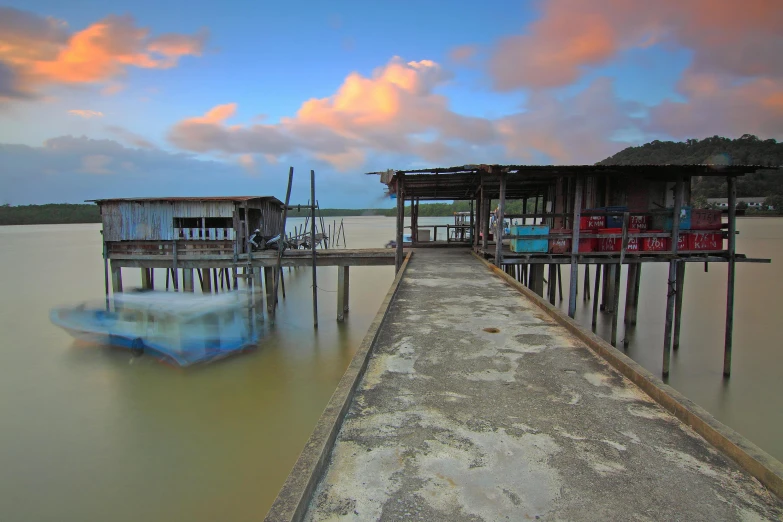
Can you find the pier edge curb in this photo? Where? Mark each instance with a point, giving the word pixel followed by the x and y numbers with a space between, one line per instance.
pixel 294 496
pixel 761 465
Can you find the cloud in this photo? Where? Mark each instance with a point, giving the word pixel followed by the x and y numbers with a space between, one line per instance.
pixel 718 104
pixel 96 164
pixel 41 51
pixel 86 114
pixel 733 38
pixel 396 110
pixel 463 53
pixel 130 137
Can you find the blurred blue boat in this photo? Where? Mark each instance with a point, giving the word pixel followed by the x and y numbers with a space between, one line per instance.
pixel 178 328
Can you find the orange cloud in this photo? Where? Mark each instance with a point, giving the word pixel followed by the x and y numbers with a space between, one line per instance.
pixel 40 51
pixel 86 114
pixel 735 38
pixel 463 53
pixel 395 110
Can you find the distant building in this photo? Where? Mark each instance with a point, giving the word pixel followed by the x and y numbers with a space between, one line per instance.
pixel 755 202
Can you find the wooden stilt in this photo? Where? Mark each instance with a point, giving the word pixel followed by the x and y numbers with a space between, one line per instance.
pixel 341 293
pixel 618 278
pixel 279 270
pixel 187 279
pixel 234 275
pixel 168 273
pixel 552 285
pixel 732 183
pixel 672 281
pixel 106 272
pixel 575 247
pixel 174 276
pixel 145 278
pixel 116 278
pixel 598 270
pixel 200 278
pixel 500 218
pixel 586 296
pixel 537 278
pixel 559 284
pixel 214 275
pixel 312 231
pixel 206 281
pixel 678 304
pixel 282 281
pixel 269 286
pixel 400 222
pixel 637 288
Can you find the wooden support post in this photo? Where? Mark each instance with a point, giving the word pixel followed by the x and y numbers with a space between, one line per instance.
pixel 586 295
pixel 106 272
pixel 145 278
pixel 605 290
pixel 477 222
pixel 609 306
pixel 256 273
pixel 537 279
pixel 280 246
pixel 174 277
pixel 400 221
pixel 732 183
pixel 672 281
pixel 282 281
pixel 346 292
pixel 559 284
pixel 312 240
pixel 341 293
pixel 575 247
pixel 485 210
pixel 552 285
pixel 269 285
pixel 630 293
pixel 598 270
pixel 500 217
pixel 116 278
pixel 618 278
pixel 187 279
pixel 678 304
pixel 214 274
pixel 637 288
pixel 168 274
pixel 206 281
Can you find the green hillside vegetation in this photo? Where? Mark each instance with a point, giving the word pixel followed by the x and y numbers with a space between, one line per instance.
pixel 747 150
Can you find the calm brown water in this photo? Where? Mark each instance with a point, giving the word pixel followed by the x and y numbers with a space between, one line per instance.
pixel 91 434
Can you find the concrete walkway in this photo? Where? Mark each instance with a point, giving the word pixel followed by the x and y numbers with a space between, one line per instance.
pixel 477 406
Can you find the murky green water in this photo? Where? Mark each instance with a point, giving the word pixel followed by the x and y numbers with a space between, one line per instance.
pixel 92 434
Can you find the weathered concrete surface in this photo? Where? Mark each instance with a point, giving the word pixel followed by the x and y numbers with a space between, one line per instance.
pixel 453 422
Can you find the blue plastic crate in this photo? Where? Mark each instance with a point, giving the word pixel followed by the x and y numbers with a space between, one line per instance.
pixel 530 245
pixel 614 221
pixel 685 219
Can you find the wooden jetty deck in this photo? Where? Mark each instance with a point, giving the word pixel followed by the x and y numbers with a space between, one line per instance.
pixel 476 404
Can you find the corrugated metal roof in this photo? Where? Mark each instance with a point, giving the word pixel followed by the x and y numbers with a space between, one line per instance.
pixel 187 198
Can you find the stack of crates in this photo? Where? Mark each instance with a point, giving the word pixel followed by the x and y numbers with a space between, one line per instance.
pixel 530 245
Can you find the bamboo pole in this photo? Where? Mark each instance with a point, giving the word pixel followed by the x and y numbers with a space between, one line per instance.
pixel 672 281
pixel 575 247
pixel 618 278
pixel 281 243
pixel 312 241
pixel 727 346
pixel 501 211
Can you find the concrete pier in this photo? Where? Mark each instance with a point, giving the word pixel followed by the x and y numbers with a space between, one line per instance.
pixel 477 405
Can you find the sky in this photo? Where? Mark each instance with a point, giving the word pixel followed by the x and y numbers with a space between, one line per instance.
pixel 194 98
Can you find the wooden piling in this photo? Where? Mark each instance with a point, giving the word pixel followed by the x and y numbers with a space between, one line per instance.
pixel 672 280
pixel 598 270
pixel 312 240
pixel 187 279
pixel 400 221
pixel 618 278
pixel 145 278
pixel 586 296
pixel 552 285
pixel 537 279
pixel 269 287
pixel 280 246
pixel 727 343
pixel 630 293
pixel 116 278
pixel 106 272
pixel 559 284
pixel 214 275
pixel 282 281
pixel 678 304
pixel 500 217
pixel 206 281
pixel 637 289
pixel 174 277
pixel 575 247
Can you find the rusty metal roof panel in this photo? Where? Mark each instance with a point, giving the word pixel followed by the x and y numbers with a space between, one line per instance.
pixel 189 198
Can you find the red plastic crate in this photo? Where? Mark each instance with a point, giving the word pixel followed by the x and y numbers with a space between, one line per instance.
pixel 562 245
pixel 705 219
pixel 705 241
pixel 614 244
pixel 592 222
pixel 639 221
pixel 664 244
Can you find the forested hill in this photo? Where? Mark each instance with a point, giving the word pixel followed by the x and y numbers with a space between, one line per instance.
pixel 747 150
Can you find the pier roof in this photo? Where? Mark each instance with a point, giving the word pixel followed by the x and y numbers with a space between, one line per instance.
pixel 236 199
pixel 462 182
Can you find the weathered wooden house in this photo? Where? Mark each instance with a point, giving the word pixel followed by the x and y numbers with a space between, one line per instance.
pixel 195 224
